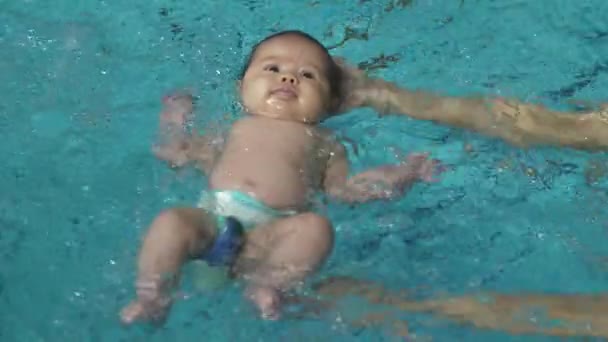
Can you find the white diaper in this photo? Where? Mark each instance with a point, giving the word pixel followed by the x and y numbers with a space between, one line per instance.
pixel 249 211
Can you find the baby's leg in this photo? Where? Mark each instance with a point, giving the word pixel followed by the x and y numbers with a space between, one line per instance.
pixel 280 256
pixel 175 236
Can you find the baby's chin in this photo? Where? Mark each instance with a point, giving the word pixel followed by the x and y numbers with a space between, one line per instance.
pixel 284 117
pixel 275 115
pixel 285 110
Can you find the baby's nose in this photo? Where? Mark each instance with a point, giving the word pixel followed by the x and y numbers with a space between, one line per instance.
pixel 289 79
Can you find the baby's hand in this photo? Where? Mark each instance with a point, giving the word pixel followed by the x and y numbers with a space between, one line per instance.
pixel 421 167
pixel 176 109
pixel 173 140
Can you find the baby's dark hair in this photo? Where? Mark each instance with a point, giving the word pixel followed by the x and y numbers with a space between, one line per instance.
pixel 334 72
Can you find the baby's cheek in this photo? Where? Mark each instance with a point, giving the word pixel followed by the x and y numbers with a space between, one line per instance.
pixel 324 102
pixel 251 94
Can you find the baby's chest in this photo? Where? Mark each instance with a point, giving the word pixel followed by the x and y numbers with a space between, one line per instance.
pixel 288 139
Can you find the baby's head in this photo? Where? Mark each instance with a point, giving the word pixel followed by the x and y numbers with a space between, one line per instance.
pixel 291 76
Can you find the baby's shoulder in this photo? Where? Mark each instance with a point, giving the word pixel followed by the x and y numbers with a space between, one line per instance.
pixel 329 140
pixel 325 132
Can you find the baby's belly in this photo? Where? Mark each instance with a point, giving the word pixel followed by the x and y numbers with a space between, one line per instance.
pixel 276 186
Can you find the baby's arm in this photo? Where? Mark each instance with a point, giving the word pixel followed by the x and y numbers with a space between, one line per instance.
pixel 385 182
pixel 175 145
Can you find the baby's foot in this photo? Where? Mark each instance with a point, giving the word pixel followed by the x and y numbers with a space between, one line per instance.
pixel 151 305
pixel 267 300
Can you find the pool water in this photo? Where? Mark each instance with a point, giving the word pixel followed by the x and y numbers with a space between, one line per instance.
pixel 82 84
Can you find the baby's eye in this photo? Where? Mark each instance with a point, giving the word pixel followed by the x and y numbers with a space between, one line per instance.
pixel 308 74
pixel 272 68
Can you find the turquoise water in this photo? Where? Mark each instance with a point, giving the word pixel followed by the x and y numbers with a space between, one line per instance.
pixel 82 86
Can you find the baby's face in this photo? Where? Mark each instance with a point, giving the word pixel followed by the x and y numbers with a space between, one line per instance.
pixel 287 80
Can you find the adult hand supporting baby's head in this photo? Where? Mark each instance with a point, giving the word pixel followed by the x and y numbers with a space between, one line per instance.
pixel 354 86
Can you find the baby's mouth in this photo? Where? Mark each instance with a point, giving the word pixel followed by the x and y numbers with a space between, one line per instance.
pixel 284 92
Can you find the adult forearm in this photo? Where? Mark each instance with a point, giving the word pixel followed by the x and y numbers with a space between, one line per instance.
pixel 517 123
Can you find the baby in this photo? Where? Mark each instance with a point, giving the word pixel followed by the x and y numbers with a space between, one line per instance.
pixel 257 217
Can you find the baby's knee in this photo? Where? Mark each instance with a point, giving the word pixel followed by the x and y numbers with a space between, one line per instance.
pixel 190 223
pixel 317 229
pixel 168 218
pixel 181 216
pixel 173 219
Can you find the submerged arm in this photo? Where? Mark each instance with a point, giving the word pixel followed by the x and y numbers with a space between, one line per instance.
pixel 565 315
pixel 175 144
pixel 383 182
pixel 181 150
